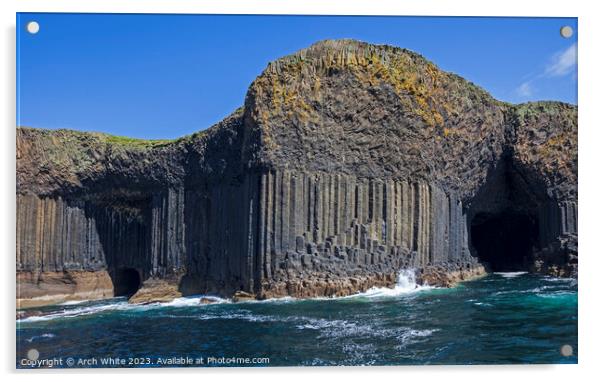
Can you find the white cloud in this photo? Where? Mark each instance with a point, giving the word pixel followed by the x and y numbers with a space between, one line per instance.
pixel 562 62
pixel 525 89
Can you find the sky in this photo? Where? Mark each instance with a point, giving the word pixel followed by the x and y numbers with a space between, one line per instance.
pixel 165 76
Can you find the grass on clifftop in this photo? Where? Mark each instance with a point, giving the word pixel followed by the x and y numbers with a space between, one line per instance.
pixel 136 142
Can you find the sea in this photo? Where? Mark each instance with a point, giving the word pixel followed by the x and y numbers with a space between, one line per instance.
pixel 502 318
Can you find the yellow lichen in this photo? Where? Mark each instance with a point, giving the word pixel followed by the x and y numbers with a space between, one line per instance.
pixel 418 83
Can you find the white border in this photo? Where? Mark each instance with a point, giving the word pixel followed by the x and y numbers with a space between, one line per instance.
pixel 590 146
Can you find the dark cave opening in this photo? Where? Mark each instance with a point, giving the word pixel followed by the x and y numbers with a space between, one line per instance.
pixel 126 282
pixel 504 242
pixel 503 218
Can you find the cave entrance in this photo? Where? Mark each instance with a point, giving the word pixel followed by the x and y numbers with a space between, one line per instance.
pixel 126 282
pixel 504 242
pixel 503 218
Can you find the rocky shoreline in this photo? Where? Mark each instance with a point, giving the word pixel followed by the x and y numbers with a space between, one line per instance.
pixel 450 276
pixel 312 286
pixel 160 291
pixel 35 289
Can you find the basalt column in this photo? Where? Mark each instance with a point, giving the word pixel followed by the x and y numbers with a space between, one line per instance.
pixel 63 247
pixel 165 256
pixel 222 237
pixel 336 224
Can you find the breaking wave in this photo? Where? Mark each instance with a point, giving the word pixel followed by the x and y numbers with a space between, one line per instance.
pixel 74 302
pixel 120 305
pixel 406 284
pixel 510 275
pixel 40 337
pixel 77 312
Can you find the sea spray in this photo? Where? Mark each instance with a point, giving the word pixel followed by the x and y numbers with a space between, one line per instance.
pixel 406 280
pixel 406 284
pixel 510 274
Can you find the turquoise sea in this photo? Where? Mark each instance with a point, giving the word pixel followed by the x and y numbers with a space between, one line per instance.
pixel 504 318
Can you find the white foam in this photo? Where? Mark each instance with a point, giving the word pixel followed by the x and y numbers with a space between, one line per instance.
pixel 45 335
pixel 321 323
pixel 527 291
pixel 123 306
pixel 189 301
pixel 414 333
pixel 71 313
pixel 73 302
pixel 412 336
pixel 334 329
pixel 406 284
pixel 509 275
pixel 279 300
pixel 556 294
pixel 570 280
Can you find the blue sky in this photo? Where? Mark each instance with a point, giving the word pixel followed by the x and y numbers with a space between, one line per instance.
pixel 164 76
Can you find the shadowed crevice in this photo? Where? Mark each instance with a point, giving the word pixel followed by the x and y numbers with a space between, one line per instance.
pixel 504 218
pixel 504 242
pixel 126 282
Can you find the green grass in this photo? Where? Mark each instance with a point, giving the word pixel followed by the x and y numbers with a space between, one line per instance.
pixel 136 142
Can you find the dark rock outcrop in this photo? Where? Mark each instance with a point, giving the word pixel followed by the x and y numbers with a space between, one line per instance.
pixel 347 163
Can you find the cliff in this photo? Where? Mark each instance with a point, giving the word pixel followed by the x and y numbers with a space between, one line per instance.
pixel 347 163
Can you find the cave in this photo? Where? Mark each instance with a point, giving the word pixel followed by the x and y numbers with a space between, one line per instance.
pixel 504 241
pixel 503 219
pixel 126 282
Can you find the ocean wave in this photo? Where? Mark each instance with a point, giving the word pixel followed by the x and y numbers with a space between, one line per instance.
pixel 391 292
pixel 280 300
pixel 509 275
pixel 338 329
pixel 572 281
pixel 73 302
pixel 244 316
pixel 406 284
pixel 42 336
pixel 301 322
pixel 321 324
pixel 73 313
pixel 540 289
pixel 327 328
pixel 189 301
pixel 412 336
pixel 557 294
pixel 359 354
pixel 122 306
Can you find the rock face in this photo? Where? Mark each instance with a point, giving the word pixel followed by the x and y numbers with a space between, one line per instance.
pixel 347 163
pixel 46 288
pixel 156 290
